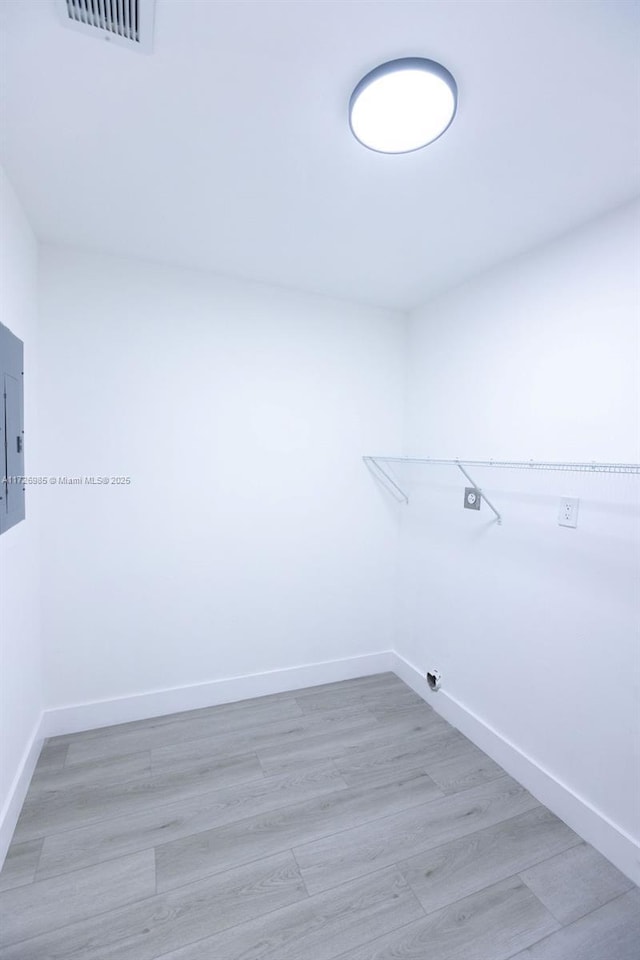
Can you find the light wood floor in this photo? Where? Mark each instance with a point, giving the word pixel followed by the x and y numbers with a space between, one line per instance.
pixel 346 821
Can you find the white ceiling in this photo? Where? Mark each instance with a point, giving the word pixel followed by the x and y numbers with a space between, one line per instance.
pixel 228 147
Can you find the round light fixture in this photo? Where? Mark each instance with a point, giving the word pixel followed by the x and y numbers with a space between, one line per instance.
pixel 403 105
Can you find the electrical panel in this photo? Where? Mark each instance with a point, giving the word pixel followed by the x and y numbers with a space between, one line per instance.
pixel 12 481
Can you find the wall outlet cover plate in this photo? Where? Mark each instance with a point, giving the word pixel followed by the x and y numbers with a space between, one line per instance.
pixel 472 498
pixel 568 512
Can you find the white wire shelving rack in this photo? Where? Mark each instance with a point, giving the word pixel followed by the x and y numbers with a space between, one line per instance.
pixel 376 466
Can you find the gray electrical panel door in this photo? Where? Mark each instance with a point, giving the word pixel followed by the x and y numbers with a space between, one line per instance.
pixel 12 486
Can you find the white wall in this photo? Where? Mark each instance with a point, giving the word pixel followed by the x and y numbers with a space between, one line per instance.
pixel 534 626
pixel 251 537
pixel 20 650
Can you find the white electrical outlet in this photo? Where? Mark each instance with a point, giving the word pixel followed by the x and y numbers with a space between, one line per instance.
pixel 568 513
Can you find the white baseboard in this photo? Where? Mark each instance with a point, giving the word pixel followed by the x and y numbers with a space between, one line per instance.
pixel 18 790
pixel 591 824
pixel 106 713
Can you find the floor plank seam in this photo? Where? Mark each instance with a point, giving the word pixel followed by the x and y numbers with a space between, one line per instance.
pixel 35 872
pixel 82 736
pixel 372 942
pixel 155 871
pixel 4 945
pixel 543 905
pixel 464 896
pixel 566 923
pixel 292 852
pixel 221 873
pixel 155 846
pixel 507 820
pixel 180 740
pixel 187 836
pixel 284 849
pixel 170 891
pixel 239 821
pixel 166 803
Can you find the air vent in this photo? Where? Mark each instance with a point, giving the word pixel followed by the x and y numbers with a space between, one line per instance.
pixel 125 22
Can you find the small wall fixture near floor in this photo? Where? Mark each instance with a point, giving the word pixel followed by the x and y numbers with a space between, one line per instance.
pixel 11 430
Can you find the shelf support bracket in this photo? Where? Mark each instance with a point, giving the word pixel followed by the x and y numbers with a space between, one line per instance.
pixel 474 484
pixel 386 480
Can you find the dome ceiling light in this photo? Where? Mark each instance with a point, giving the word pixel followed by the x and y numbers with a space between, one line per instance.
pixel 403 105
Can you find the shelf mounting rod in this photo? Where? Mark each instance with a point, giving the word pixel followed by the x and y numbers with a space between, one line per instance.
pixel 474 484
pixel 396 492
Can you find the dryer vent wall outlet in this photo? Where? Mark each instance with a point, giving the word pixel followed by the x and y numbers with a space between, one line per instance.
pixel 472 498
pixel 434 679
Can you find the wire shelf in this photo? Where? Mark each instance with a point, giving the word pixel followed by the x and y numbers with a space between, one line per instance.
pixel 591 467
pixel 375 464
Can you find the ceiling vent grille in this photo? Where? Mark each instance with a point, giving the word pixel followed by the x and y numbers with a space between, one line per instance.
pixel 125 22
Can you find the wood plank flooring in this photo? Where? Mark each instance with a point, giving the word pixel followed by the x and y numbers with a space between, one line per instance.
pixel 343 822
